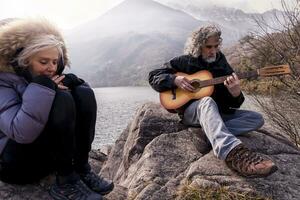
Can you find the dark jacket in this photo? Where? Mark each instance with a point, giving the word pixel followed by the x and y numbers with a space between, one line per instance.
pixel 163 79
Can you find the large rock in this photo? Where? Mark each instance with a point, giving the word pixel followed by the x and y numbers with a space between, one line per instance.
pixel 156 156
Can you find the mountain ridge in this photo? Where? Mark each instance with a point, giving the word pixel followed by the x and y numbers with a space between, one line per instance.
pixel 135 37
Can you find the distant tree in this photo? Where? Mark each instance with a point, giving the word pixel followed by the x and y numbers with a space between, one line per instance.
pixel 271 46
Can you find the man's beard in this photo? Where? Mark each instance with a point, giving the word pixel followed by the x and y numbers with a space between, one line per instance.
pixel 210 59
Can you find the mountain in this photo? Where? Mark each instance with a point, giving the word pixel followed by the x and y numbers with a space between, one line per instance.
pixel 235 22
pixel 120 47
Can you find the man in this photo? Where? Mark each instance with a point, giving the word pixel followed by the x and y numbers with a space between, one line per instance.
pixel 218 115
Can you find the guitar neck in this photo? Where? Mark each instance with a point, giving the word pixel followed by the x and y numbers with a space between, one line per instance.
pixel 221 79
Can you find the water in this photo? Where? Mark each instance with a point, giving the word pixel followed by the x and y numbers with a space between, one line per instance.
pixel 117 106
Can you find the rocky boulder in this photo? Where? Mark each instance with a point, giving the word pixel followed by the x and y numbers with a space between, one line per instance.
pixel 156 156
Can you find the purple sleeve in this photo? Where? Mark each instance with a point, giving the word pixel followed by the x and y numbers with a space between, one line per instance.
pixel 23 119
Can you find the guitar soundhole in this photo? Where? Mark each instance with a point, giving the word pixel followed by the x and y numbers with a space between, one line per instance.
pixel 195 84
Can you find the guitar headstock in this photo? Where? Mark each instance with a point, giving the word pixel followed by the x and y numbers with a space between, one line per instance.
pixel 274 70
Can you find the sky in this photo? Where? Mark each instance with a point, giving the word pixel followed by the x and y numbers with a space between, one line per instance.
pixel 70 13
pixel 65 13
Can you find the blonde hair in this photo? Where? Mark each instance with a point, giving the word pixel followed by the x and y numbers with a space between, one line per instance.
pixel 36 45
pixel 199 37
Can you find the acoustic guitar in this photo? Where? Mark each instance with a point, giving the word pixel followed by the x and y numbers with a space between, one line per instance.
pixel 203 82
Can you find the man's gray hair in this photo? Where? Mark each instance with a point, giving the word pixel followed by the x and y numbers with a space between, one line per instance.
pixel 38 44
pixel 198 39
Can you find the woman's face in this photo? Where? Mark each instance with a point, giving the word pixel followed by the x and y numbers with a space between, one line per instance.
pixel 44 62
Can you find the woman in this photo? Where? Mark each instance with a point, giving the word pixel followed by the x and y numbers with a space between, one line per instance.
pixel 47 119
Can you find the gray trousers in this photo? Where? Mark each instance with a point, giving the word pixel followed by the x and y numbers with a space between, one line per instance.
pixel 221 129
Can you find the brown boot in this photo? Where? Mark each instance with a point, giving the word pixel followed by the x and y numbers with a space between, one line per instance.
pixel 248 163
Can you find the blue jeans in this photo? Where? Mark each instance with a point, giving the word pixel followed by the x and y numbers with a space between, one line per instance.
pixel 221 129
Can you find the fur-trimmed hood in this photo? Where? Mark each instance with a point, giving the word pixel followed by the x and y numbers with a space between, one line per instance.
pixel 17 33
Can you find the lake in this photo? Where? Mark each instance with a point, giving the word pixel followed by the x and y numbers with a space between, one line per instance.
pixel 117 106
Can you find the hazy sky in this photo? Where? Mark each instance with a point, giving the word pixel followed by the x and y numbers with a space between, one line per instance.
pixel 65 13
pixel 69 13
pixel 245 5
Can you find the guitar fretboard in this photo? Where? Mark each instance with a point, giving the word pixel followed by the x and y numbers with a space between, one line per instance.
pixel 221 79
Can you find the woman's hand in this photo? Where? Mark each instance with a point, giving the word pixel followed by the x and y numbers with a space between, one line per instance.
pixel 233 85
pixel 58 80
pixel 71 81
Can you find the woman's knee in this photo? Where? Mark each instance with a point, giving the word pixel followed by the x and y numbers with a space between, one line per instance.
pixel 84 99
pixel 63 108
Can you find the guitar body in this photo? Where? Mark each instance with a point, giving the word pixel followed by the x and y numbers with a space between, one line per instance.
pixel 203 82
pixel 182 97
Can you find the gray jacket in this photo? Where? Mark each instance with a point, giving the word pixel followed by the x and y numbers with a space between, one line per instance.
pixel 24 109
pixel 24 106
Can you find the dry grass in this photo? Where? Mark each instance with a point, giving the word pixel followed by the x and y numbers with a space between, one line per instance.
pixel 281 46
pixel 188 192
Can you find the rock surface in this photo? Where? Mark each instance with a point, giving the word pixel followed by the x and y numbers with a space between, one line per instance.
pixel 156 155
